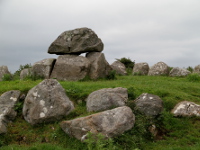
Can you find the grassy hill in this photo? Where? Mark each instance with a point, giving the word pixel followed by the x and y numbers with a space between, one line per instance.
pixel 174 133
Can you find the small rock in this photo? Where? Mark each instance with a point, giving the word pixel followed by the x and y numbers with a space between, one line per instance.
pixel 179 72
pixel 141 68
pixel 119 67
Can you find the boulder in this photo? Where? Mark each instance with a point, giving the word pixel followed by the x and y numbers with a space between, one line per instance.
pixel 44 67
pixel 46 102
pixel 7 111
pixel 100 68
pixel 3 71
pixel 76 41
pixel 141 69
pixel 71 68
pixel 179 72
pixel 109 123
pixel 197 69
pixel 106 98
pixel 119 67
pixel 149 104
pixel 25 72
pixel 186 108
pixel 159 68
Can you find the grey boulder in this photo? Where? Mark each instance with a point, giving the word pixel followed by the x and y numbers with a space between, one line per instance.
pixel 119 67
pixel 106 98
pixel 76 41
pixel 179 72
pixel 25 72
pixel 197 69
pixel 141 68
pixel 3 71
pixel 46 102
pixel 159 68
pixel 109 123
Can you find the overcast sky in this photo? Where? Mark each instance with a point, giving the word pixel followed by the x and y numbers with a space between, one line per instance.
pixel 142 30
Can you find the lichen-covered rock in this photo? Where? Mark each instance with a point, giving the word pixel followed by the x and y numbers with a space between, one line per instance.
pixel 141 68
pixel 197 69
pixel 179 72
pixel 7 111
pixel 119 67
pixel 44 67
pixel 99 68
pixel 109 123
pixel 46 102
pixel 71 68
pixel 149 104
pixel 159 68
pixel 25 72
pixel 186 108
pixel 77 41
pixel 3 71
pixel 106 98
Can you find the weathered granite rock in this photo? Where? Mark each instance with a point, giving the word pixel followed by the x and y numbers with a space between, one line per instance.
pixel 149 104
pixel 106 98
pixel 197 69
pixel 179 72
pixel 186 108
pixel 100 68
pixel 7 112
pixel 141 69
pixel 110 123
pixel 71 68
pixel 25 72
pixel 46 102
pixel 3 71
pixel 119 67
pixel 76 41
pixel 159 68
pixel 44 67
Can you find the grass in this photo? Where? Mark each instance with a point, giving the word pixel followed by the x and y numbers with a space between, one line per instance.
pixel 174 133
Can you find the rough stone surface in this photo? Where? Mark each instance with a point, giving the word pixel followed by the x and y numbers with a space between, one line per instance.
pixel 46 102
pixel 149 104
pixel 76 41
pixel 71 68
pixel 119 67
pixel 178 72
pixel 186 108
pixel 110 123
pixel 7 112
pixel 100 68
pixel 106 98
pixel 25 72
pixel 141 69
pixel 3 71
pixel 197 69
pixel 159 68
pixel 44 67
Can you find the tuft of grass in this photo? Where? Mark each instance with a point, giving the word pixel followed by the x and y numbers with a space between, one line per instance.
pixel 194 77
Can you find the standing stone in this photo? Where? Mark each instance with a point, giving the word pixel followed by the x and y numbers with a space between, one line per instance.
pixel 149 104
pixel 76 41
pixel 109 123
pixel 100 68
pixel 44 67
pixel 141 68
pixel 7 111
pixel 25 72
pixel 179 72
pixel 106 98
pixel 159 68
pixel 119 67
pixel 197 69
pixel 46 102
pixel 3 71
pixel 71 68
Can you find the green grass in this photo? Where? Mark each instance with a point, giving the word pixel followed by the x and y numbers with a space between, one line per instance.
pixel 174 133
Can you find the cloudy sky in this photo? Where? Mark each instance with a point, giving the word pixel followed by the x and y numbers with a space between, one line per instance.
pixel 142 30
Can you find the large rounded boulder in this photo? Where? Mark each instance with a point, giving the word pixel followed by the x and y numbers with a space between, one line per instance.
pixel 159 68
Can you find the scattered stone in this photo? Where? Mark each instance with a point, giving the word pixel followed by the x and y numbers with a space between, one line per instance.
pixel 100 68
pixel 7 111
pixel 141 69
pixel 149 104
pixel 109 123
pixel 71 68
pixel 46 102
pixel 25 72
pixel 106 98
pixel 179 72
pixel 3 71
pixel 77 41
pixel 186 108
pixel 159 68
pixel 44 67
pixel 197 69
pixel 119 67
